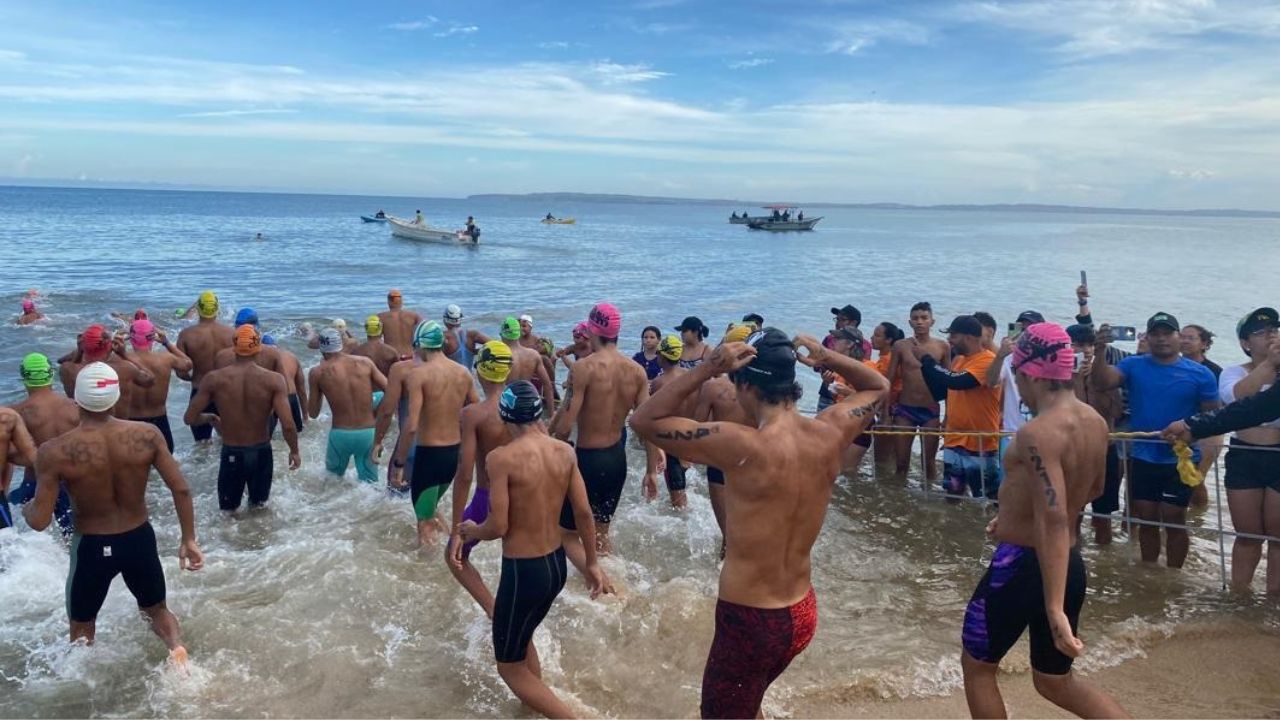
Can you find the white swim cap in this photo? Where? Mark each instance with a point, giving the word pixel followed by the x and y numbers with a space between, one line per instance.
pixel 453 314
pixel 97 387
pixel 339 324
pixel 330 341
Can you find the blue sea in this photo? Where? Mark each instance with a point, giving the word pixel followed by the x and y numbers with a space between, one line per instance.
pixel 319 607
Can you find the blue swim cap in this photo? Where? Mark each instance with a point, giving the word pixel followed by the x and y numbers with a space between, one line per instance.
pixel 520 403
pixel 268 340
pixel 247 316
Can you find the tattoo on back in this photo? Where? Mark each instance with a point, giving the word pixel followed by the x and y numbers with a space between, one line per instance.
pixel 1050 495
pixel 695 434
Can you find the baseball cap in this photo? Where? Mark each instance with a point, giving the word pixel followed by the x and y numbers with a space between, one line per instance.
pixel 1263 317
pixel 693 324
pixel 965 325
pixel 1163 319
pixel 850 312
pixel 1030 317
pixel 755 320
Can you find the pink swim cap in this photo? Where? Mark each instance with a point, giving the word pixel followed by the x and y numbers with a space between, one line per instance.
pixel 582 330
pixel 28 306
pixel 1044 351
pixel 605 321
pixel 141 333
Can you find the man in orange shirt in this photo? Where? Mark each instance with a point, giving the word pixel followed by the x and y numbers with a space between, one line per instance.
pixel 969 461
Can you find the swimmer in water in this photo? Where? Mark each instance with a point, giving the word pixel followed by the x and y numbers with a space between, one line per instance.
pixel 531 479
pixel 271 357
pixel 779 474
pixel 374 348
pixel 291 369
pixel 29 313
pixel 17 447
pixel 580 348
pixel 259 237
pixel 105 464
pixel 1055 464
pixel 482 432
pixel 98 345
pixel 150 405
pixel 916 407
pixel 437 390
pixel 348 382
pixel 543 346
pixel 46 415
pixel 398 324
pixel 246 395
pixel 603 390
pixel 201 342
pixel 670 350
pixel 526 364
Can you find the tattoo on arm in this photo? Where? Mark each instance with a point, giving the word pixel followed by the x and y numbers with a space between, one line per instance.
pixel 1050 495
pixel 696 434
pixel 862 410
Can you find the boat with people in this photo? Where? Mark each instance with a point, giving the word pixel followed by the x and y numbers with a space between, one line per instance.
pixel 413 230
pixel 553 220
pixel 744 219
pixel 378 217
pixel 783 220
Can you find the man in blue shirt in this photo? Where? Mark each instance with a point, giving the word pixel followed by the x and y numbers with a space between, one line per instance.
pixel 1162 386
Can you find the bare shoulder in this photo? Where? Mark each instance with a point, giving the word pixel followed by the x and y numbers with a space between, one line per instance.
pixel 138 436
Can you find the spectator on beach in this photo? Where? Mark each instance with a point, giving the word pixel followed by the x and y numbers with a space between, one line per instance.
pixel 1162 387
pixel 988 323
pixel 648 355
pixel 970 462
pixel 1196 342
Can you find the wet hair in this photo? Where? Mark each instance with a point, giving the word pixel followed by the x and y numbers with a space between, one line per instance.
pixel 654 329
pixel 1206 337
pixel 985 319
pixel 922 306
pixel 892 332
pixel 771 394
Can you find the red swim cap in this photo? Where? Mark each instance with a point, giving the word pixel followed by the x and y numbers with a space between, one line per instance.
pixel 96 343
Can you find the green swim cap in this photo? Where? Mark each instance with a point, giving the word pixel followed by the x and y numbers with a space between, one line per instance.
pixel 510 329
pixel 428 335
pixel 36 371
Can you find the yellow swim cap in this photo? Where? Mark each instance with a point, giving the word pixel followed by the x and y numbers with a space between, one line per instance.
pixel 737 333
pixel 671 348
pixel 493 362
pixel 207 305
pixel 373 326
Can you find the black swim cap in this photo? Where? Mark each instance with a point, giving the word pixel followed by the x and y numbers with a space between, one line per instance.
pixel 520 403
pixel 775 362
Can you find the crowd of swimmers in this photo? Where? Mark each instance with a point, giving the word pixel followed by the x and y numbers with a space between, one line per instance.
pixel 1028 423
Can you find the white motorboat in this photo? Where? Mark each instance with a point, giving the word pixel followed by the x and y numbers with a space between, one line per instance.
pixel 784 218
pixel 410 230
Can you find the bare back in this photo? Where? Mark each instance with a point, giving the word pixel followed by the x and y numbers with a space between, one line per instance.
pixel 721 400
pixel 105 468
pixel 290 368
pixel 382 354
pixel 608 386
pixel 347 382
pixel 246 395
pixel 201 342
pixel 524 363
pixel 397 329
pixel 538 470
pixel 441 387
pixel 1070 438
pixel 152 402
pixel 490 433
pixel 48 415
pixel 268 358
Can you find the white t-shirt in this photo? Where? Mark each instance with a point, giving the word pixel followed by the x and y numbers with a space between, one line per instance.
pixel 1227 388
pixel 1015 414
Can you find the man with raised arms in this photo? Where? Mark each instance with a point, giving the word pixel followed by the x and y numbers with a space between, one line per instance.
pixel 398 324
pixel 245 394
pixel 916 407
pixel 105 464
pixel 1055 464
pixel 151 405
pixel 437 390
pixel 96 344
pixel 718 402
pixel 374 348
pixel 348 382
pixel 531 479
pixel 526 364
pixel 779 473
pixel 46 415
pixel 201 342
pixel 670 351
pixel 603 389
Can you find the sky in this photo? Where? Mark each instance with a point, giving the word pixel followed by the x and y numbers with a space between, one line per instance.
pixel 1139 103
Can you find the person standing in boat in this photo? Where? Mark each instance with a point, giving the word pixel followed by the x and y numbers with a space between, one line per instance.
pixel 418 219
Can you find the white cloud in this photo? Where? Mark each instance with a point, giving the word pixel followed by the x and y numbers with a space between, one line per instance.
pixel 1192 174
pixel 237 113
pixel 852 38
pixel 458 30
pixel 749 63
pixel 612 73
pixel 411 25
pixel 12 56
pixel 554 45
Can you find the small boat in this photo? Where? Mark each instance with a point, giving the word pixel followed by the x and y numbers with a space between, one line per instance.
pixel 782 220
pixel 559 221
pixel 425 233
pixel 373 218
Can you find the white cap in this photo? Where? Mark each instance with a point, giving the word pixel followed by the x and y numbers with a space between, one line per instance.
pixel 453 314
pixel 97 387
pixel 527 318
pixel 339 324
pixel 330 340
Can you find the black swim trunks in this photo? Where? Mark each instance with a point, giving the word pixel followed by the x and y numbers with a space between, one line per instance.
pixel 161 422
pixel 295 409
pixel 97 559
pixel 604 472
pixel 1010 599
pixel 1252 467
pixel 6 515
pixel 715 476
pixel 203 432
pixel 245 467
pixel 675 474
pixel 526 590
pixel 1158 482
pixel 1109 501
pixel 433 470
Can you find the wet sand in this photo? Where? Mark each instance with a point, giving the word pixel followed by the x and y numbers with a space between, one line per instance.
pixel 1209 669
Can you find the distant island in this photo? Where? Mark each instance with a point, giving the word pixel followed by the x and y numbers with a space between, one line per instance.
pixel 574 197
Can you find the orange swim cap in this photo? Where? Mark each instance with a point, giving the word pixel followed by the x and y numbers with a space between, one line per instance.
pixel 248 341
